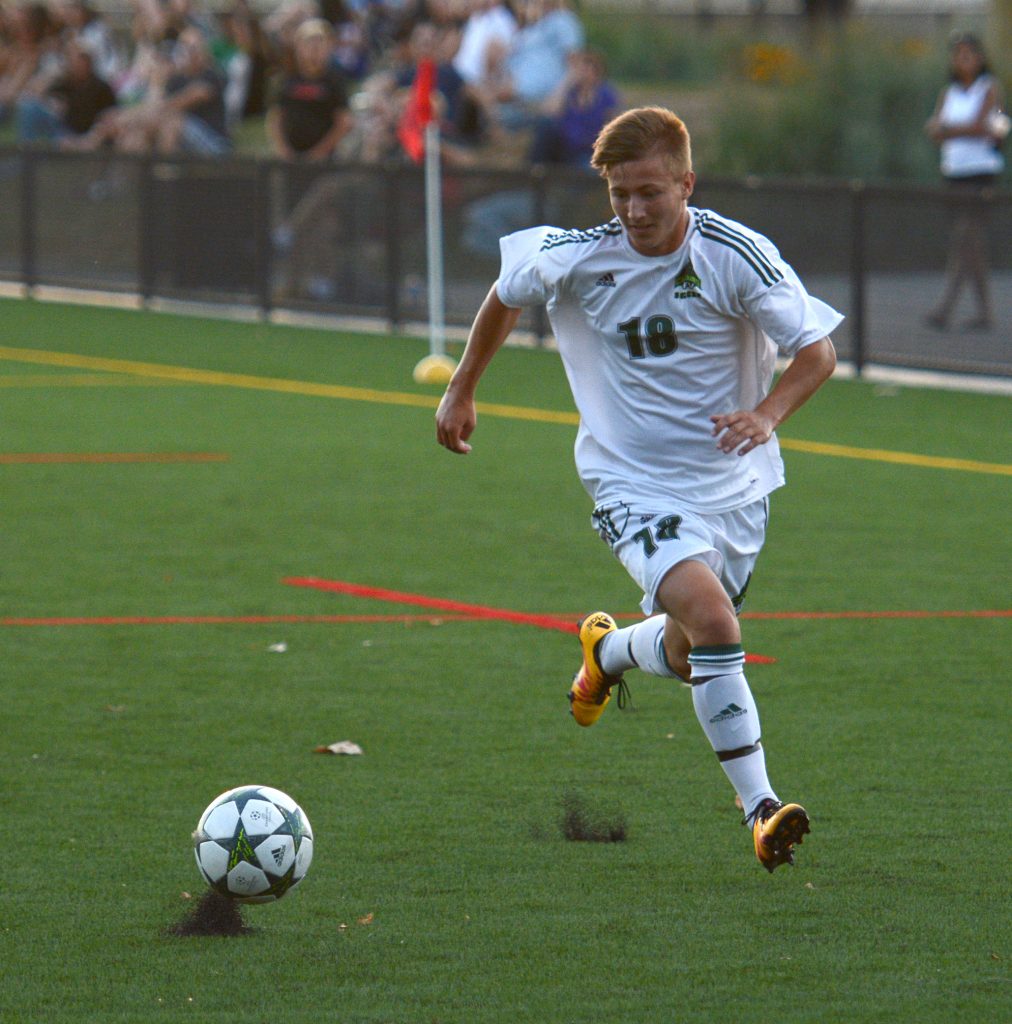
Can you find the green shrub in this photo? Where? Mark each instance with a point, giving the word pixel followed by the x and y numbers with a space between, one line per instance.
pixel 850 102
pixel 648 48
pixel 854 106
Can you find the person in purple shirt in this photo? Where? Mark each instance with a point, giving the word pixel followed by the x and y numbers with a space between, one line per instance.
pixel 574 116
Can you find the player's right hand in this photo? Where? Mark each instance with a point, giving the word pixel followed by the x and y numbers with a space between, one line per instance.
pixel 455 421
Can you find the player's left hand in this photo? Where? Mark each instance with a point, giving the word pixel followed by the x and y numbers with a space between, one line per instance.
pixel 455 421
pixel 741 431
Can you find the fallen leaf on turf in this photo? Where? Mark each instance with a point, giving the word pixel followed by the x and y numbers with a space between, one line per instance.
pixel 116 709
pixel 994 956
pixel 368 919
pixel 808 885
pixel 184 895
pixel 344 747
pixel 278 648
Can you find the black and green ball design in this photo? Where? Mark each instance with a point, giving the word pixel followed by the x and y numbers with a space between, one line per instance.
pixel 253 844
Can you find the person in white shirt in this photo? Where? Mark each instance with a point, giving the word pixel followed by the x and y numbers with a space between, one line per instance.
pixel 487 34
pixel 668 320
pixel 534 65
pixel 967 125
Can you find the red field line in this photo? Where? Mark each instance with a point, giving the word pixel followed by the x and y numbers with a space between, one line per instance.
pixel 996 614
pixel 24 458
pixel 567 623
pixel 217 620
pixel 478 611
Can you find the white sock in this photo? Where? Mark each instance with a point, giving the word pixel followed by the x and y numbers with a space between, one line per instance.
pixel 640 646
pixel 728 714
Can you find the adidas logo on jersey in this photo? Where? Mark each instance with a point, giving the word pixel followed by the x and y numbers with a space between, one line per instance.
pixel 606 280
pixel 688 283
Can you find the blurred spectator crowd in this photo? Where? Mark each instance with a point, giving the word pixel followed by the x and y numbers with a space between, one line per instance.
pixel 329 80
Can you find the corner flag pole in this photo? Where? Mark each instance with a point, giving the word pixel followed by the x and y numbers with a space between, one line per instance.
pixel 434 240
pixel 421 136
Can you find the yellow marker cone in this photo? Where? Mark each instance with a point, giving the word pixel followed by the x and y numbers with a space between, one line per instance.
pixel 434 369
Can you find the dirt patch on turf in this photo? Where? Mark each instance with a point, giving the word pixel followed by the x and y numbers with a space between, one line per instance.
pixel 211 915
pixel 581 823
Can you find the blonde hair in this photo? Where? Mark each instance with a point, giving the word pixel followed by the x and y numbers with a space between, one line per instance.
pixel 640 133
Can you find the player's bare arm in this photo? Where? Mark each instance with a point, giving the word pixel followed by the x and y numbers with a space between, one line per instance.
pixel 746 429
pixel 456 417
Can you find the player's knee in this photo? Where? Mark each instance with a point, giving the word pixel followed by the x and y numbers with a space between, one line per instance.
pixel 715 625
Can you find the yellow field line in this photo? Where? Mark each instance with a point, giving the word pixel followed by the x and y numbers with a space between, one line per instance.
pixel 900 458
pixel 186 375
pixel 183 374
pixel 76 380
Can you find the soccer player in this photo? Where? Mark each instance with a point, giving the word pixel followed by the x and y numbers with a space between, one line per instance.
pixel 668 320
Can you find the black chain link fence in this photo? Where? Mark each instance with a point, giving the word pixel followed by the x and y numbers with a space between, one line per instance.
pixel 350 241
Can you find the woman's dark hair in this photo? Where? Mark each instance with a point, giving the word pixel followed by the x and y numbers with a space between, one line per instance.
pixel 974 43
pixel 40 25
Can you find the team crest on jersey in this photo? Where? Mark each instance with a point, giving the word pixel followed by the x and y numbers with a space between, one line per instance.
pixel 688 283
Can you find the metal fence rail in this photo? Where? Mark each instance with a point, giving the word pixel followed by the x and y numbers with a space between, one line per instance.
pixel 349 240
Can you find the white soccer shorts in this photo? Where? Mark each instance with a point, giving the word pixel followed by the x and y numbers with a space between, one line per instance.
pixel 650 543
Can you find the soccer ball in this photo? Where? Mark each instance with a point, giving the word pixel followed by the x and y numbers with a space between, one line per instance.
pixel 253 844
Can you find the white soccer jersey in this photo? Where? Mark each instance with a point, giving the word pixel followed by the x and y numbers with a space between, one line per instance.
pixel 655 345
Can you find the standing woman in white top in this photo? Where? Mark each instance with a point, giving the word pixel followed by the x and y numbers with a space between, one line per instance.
pixel 968 124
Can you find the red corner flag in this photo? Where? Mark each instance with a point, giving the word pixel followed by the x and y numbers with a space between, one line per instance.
pixel 418 111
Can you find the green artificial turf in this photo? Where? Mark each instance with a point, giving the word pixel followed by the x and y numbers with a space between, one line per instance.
pixel 448 831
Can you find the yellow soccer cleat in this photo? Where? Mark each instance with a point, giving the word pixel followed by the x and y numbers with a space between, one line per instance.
pixel 776 829
pixel 591 689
